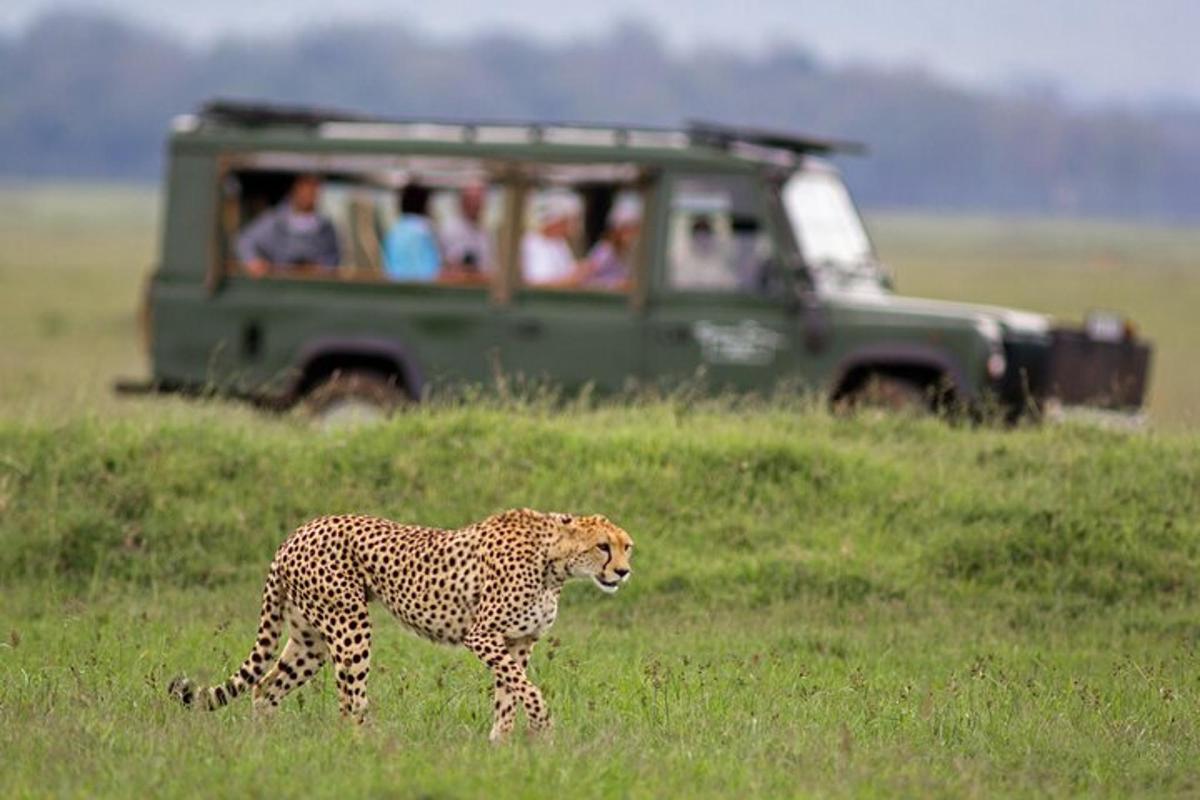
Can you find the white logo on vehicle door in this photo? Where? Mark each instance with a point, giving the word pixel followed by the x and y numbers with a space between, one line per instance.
pixel 745 342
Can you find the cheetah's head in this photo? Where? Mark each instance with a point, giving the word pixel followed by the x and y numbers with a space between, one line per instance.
pixel 593 547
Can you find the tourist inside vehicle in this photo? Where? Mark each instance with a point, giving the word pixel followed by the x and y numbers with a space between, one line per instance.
pixel 608 264
pixel 546 255
pixel 292 234
pixel 410 249
pixel 466 244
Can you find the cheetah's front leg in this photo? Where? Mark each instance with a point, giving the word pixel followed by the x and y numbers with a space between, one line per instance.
pixel 507 662
pixel 505 701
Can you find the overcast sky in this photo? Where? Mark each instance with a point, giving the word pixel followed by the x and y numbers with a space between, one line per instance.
pixel 1125 50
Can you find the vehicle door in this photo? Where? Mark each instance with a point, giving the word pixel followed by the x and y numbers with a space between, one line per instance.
pixel 719 308
pixel 580 331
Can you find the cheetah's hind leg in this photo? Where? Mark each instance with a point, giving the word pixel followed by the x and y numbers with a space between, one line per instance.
pixel 301 659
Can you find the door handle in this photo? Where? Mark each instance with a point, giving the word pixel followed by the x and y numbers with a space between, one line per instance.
pixel 528 328
pixel 676 334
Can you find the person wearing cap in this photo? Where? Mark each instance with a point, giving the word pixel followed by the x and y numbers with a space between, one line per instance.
pixel 410 249
pixel 546 256
pixel 607 266
pixel 292 234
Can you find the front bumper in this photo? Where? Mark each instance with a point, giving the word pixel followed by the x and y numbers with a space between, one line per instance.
pixel 1074 369
pixel 1101 374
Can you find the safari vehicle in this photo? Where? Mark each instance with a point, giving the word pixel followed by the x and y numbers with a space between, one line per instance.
pixel 751 266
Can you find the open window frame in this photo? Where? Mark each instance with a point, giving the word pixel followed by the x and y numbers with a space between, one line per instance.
pixel 514 180
pixel 761 203
pixel 380 175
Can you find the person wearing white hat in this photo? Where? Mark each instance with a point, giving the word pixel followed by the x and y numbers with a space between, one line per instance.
pixel 546 256
pixel 607 266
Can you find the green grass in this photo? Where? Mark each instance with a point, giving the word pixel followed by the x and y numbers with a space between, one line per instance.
pixel 818 606
pixel 871 607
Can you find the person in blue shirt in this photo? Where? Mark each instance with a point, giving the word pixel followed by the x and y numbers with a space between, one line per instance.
pixel 410 249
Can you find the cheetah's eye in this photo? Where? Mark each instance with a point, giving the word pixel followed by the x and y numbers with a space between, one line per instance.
pixel 604 547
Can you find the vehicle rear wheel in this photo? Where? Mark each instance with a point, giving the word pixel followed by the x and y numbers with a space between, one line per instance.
pixel 886 393
pixel 354 397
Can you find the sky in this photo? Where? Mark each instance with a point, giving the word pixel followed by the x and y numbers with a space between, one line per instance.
pixel 1126 51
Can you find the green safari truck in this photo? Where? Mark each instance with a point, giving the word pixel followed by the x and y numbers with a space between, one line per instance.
pixel 340 260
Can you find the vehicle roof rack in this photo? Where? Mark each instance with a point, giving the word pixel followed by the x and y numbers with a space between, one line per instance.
pixel 255 113
pixel 745 141
pixel 715 134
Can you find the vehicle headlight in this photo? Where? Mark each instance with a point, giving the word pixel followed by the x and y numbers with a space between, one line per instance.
pixel 993 334
pixel 996 365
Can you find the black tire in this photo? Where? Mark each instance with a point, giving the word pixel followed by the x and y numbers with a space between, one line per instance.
pixel 887 393
pixel 355 396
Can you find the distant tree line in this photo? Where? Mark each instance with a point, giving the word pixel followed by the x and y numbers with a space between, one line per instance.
pixel 86 95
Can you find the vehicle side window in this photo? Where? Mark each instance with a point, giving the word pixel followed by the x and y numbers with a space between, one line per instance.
pixel 581 237
pixel 717 241
pixel 432 221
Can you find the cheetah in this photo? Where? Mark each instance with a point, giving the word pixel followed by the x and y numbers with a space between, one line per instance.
pixel 492 587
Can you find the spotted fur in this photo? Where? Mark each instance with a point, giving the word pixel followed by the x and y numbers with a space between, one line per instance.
pixel 492 587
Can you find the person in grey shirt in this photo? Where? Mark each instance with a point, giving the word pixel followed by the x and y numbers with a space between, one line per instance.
pixel 465 242
pixel 291 234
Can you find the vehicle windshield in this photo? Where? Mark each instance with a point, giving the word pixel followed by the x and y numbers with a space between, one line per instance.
pixel 827 227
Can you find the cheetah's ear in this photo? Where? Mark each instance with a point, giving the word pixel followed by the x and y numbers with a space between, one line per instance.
pixel 565 543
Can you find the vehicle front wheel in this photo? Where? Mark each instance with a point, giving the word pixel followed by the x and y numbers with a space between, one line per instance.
pixel 354 397
pixel 886 393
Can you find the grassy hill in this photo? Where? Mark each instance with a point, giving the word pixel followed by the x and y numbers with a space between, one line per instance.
pixel 818 606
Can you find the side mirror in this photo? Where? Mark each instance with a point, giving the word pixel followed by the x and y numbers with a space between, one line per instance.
pixel 801 287
pixel 888 277
pixel 801 295
pixel 794 302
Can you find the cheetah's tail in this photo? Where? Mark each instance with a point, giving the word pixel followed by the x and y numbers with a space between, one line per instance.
pixel 270 629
